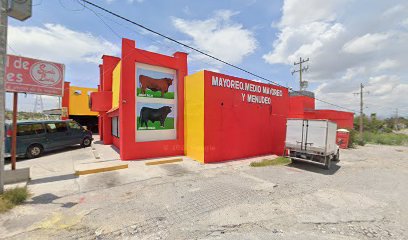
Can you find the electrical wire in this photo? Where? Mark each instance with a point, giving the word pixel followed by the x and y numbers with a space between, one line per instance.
pixel 202 52
pixel 73 10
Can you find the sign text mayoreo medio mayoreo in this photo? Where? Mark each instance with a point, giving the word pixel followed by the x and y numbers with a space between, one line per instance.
pixel 250 87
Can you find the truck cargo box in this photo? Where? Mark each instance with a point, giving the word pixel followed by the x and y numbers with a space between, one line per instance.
pixel 312 140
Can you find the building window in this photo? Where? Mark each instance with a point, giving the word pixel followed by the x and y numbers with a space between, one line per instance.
pixel 115 126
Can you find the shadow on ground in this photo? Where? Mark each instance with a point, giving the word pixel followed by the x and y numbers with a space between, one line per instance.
pixel 53 179
pixel 316 168
pixel 49 198
pixel 45 198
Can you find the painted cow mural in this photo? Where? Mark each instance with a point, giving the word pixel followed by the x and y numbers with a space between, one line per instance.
pixel 154 115
pixel 155 84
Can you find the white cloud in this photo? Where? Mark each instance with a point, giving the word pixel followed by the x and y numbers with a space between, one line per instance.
pixel 365 44
pixel 388 64
pixel 152 48
pixel 304 40
pixel 347 43
pixel 219 36
pixel 297 12
pixel 58 43
pixel 395 10
pixel 405 23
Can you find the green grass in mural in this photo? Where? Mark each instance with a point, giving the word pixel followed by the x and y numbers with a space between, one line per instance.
pixel 168 124
pixel 157 94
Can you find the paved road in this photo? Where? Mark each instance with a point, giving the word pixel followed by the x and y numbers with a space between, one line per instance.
pixel 363 197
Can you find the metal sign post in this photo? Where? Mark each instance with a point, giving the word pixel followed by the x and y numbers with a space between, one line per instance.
pixel 14 133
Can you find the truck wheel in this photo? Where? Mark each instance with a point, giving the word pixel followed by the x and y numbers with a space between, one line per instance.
pixel 337 156
pixel 86 142
pixel 327 163
pixel 34 151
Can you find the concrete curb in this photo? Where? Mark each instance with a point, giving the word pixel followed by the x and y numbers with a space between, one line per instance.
pixel 164 161
pixel 16 176
pixel 101 169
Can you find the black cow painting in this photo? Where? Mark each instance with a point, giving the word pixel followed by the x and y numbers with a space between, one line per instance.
pixel 149 116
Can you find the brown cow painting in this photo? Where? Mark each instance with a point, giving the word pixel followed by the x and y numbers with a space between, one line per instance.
pixel 155 84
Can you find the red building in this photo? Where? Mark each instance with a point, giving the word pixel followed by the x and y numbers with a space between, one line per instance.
pixel 302 105
pixel 146 111
pixel 229 118
pixel 121 101
pixel 148 107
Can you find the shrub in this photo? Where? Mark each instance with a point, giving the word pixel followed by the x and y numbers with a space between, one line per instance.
pixel 355 139
pixel 13 197
pixel 386 138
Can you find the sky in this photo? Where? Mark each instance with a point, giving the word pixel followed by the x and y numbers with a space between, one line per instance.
pixel 348 42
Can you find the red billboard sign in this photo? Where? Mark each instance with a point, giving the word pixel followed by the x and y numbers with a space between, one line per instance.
pixel 35 76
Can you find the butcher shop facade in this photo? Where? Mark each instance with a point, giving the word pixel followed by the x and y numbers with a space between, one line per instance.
pixel 140 101
pixel 148 107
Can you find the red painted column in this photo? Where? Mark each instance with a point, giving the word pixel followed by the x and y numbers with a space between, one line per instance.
pixel 109 64
pixel 127 98
pixel 181 59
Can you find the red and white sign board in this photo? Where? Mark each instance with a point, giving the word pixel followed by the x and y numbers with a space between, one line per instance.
pixel 35 76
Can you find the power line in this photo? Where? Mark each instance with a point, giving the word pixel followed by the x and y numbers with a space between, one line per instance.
pixel 162 43
pixel 70 9
pixel 200 51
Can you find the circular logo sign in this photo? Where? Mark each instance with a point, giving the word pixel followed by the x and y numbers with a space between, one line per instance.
pixel 45 73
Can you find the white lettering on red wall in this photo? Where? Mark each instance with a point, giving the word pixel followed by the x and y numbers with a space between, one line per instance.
pixel 253 88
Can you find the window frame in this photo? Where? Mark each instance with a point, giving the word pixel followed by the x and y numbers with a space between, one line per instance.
pixel 115 129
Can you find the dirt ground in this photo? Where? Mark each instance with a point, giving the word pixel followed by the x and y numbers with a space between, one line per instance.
pixel 364 196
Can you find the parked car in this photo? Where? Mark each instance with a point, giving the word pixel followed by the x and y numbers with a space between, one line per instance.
pixel 36 137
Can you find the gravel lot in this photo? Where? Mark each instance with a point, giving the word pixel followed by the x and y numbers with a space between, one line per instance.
pixel 364 196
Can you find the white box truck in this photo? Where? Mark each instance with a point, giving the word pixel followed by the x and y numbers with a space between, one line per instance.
pixel 312 141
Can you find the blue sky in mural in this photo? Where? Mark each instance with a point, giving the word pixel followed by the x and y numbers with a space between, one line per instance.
pixel 347 41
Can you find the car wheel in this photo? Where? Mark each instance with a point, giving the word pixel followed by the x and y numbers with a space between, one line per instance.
pixel 34 151
pixel 294 160
pixel 337 156
pixel 327 163
pixel 86 142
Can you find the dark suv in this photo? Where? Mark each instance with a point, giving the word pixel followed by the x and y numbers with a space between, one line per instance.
pixel 36 137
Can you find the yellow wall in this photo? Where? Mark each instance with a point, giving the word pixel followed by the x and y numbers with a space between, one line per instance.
pixel 116 85
pixel 79 101
pixel 194 116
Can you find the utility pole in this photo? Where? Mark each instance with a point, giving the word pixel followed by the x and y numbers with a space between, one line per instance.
pixel 361 107
pixel 396 119
pixel 3 55
pixel 302 84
